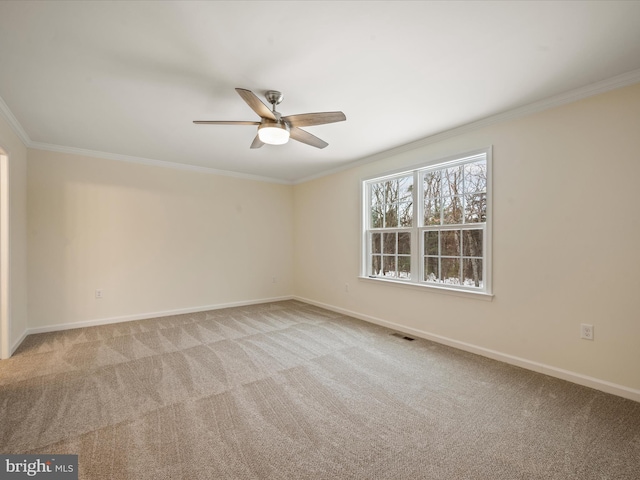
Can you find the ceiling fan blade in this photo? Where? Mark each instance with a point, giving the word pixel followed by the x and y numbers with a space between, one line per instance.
pixel 308 119
pixel 305 137
pixel 216 122
pixel 257 143
pixel 255 103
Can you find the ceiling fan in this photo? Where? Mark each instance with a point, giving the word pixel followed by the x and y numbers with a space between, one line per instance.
pixel 273 128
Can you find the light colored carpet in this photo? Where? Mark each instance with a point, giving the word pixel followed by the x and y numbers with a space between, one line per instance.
pixel 291 391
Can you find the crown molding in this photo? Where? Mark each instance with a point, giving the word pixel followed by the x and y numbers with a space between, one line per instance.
pixel 613 83
pixel 13 122
pixel 151 162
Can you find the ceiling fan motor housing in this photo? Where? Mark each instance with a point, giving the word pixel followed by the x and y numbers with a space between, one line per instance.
pixel 273 97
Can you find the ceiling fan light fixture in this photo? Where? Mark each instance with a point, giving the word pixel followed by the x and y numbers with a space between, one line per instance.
pixel 274 133
pixel 273 128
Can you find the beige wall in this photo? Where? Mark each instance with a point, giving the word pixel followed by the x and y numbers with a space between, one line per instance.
pixel 17 154
pixel 566 236
pixel 155 239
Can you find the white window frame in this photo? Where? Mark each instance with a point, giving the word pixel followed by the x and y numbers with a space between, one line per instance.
pixel 417 229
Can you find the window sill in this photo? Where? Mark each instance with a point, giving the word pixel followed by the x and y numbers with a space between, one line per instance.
pixel 487 297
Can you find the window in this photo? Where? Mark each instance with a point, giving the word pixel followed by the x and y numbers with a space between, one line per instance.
pixel 429 226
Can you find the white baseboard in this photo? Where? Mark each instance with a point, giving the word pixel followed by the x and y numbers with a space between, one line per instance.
pixel 144 316
pixel 17 343
pixel 584 380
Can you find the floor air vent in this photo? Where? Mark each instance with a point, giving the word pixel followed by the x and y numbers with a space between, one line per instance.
pixel 404 337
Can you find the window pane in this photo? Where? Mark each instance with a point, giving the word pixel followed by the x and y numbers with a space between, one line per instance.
pixel 472 272
pixel 450 243
pixel 391 216
pixel 391 191
pixel 377 216
pixel 450 271
pixel 451 210
pixel 404 243
pixel 389 243
pixel 389 266
pixel 432 211
pixel 431 184
pixel 376 265
pixel 405 211
pixel 452 181
pixel 377 205
pixel 475 177
pixel 431 243
pixel 431 269
pixel 405 186
pixel 472 243
pixel 475 209
pixel 377 193
pixel 376 247
pixel 404 267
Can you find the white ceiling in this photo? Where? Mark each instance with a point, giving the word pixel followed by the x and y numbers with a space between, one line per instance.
pixel 128 78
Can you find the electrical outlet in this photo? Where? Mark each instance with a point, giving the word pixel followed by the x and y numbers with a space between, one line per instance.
pixel 274 280
pixel 99 293
pixel 586 331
